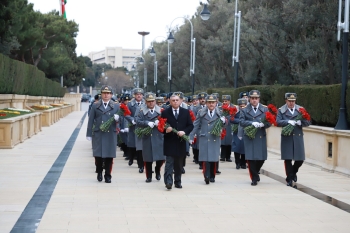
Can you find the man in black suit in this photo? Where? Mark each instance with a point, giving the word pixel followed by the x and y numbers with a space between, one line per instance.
pixel 174 146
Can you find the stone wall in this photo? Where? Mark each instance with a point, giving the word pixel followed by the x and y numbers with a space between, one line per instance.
pixel 325 147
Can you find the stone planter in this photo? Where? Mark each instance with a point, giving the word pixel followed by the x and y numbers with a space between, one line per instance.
pixel 17 129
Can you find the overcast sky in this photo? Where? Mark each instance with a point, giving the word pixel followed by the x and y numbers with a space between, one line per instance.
pixel 112 23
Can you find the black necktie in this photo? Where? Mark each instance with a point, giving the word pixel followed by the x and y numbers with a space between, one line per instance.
pixel 211 114
pixel 176 115
pixel 105 104
pixel 152 111
pixel 138 104
pixel 255 109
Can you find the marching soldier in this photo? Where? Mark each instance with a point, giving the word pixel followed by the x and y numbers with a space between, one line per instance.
pixel 124 128
pixel 151 144
pixel 160 101
pixel 256 148
pixel 194 145
pixel 244 95
pixel 292 147
pixel 227 140
pixel 209 144
pixel 237 142
pixel 201 104
pixel 104 144
pixel 219 104
pixel 133 142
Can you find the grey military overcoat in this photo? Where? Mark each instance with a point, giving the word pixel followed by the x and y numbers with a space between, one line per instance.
pixel 237 144
pixel 255 149
pixel 208 144
pixel 152 145
pixel 227 140
pixel 292 147
pixel 195 110
pixel 104 144
pixel 132 105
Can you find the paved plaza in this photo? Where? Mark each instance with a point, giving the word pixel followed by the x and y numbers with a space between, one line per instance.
pixel 79 203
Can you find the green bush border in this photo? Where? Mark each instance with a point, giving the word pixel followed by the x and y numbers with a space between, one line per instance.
pixel 23 79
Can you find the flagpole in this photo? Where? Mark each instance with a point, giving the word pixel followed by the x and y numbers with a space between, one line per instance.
pixel 60 7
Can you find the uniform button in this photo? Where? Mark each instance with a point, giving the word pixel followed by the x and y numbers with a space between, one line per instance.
pixel 208 140
pixel 260 136
pixel 151 134
pixel 208 124
pixel 299 134
pixel 102 121
pixel 214 140
pixel 293 134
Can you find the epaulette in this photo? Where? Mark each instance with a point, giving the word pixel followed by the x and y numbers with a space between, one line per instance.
pixel 264 105
pixel 244 107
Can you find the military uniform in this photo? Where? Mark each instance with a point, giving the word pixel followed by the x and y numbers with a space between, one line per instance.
pixel 151 144
pixel 124 129
pixel 226 142
pixel 194 146
pixel 237 142
pixel 255 149
pixel 134 143
pixel 103 143
pixel 209 144
pixel 292 147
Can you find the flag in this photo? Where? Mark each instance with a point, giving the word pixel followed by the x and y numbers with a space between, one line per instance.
pixel 63 8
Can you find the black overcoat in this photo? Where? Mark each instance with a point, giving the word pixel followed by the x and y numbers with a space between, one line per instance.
pixel 173 144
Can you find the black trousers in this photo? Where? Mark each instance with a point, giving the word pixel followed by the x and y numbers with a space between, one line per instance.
pixel 173 163
pixel 254 167
pixel 108 165
pixel 184 161
pixel 239 159
pixel 195 154
pixel 225 152
pixel 135 154
pixel 124 148
pixel 209 169
pixel 148 168
pixel 292 169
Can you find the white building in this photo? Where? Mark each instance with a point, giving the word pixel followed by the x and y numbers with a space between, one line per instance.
pixel 116 56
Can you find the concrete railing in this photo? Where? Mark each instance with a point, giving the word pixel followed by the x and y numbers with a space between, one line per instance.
pixel 325 147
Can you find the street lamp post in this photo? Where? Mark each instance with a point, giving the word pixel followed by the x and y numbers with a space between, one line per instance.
pixel 153 54
pixel 134 68
pixel 205 14
pixel 342 123
pixel 193 50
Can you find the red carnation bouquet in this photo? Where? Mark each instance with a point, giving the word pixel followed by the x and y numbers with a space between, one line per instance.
pixel 162 125
pixel 123 111
pixel 193 117
pixel 251 130
pixel 303 114
pixel 228 110
pixel 218 128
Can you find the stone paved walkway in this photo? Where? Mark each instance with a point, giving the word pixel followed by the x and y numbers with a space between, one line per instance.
pixel 80 203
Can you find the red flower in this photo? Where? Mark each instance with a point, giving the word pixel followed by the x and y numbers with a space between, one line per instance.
pixel 124 110
pixel 272 108
pixel 2 114
pixel 193 117
pixel 228 110
pixel 270 118
pixel 305 114
pixel 223 133
pixel 161 124
pixel 194 140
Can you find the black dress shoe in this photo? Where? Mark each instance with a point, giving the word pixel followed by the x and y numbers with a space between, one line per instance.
pixel 206 179
pixel 148 180
pixel 108 179
pixel 158 176
pixel 228 160
pixel 179 186
pixel 126 158
pixel 222 160
pixel 212 180
pixel 183 170
pixel 141 170
pixel 130 163
pixel 258 179
pixel 254 183
pixel 238 166
pixel 218 172
pixel 99 177
pixel 188 154
pixel 290 183
pixel 196 162
pixel 168 186
pixel 200 167
pixel 295 178
pixel 243 166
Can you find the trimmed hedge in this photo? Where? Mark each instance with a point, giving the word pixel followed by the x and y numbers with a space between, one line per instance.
pixel 20 78
pixel 321 101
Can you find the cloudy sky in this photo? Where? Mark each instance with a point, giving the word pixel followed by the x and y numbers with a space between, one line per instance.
pixel 105 23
